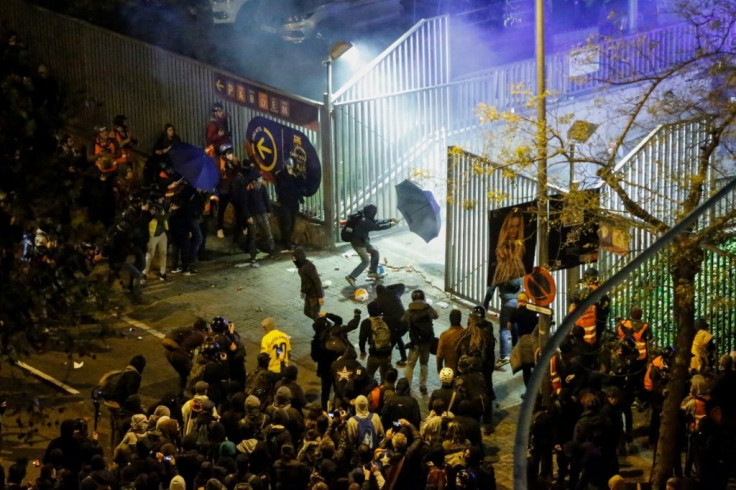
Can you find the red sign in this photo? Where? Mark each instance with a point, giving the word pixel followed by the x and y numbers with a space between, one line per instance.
pixel 540 286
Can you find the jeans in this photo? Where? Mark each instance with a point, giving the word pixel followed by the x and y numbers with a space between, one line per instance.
pixel 368 255
pixel 260 228
pixel 157 246
pixel 418 352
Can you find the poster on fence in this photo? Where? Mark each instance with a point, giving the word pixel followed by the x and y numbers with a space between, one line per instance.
pixel 573 229
pixel 512 241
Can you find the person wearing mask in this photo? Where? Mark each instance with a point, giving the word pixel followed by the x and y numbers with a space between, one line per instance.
pixel 311 285
pixel 388 299
pixel 361 243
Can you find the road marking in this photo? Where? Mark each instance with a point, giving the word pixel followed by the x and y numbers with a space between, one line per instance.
pixel 142 326
pixel 47 378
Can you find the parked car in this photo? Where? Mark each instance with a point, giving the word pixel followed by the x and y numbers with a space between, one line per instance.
pixel 299 20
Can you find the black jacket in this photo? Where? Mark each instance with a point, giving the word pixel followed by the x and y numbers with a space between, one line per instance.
pixel 419 318
pixel 367 224
pixel 389 302
pixel 311 283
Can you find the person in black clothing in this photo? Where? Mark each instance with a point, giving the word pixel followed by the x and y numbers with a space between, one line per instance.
pixel 361 243
pixel 311 284
pixel 289 193
pixel 379 357
pixel 524 321
pixel 326 327
pixel 118 245
pixel 257 207
pixel 180 345
pixel 419 317
pixel 402 405
pixel 351 378
pixel 389 302
pixel 130 381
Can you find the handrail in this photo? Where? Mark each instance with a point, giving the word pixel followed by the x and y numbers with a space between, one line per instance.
pixel 521 441
pixel 386 52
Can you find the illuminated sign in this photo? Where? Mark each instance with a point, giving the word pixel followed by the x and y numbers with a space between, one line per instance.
pixel 262 99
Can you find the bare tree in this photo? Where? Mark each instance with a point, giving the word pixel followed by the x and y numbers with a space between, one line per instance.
pixel 643 82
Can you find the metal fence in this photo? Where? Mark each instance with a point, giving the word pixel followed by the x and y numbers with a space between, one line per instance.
pixel 655 172
pixel 475 188
pixel 390 119
pixel 104 74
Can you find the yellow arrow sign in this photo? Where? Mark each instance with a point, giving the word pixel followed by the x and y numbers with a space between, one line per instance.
pixel 266 148
pixel 219 85
pixel 263 148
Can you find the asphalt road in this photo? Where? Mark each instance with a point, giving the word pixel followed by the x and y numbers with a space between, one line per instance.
pixel 244 296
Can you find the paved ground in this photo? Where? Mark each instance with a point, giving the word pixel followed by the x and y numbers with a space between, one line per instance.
pixel 244 296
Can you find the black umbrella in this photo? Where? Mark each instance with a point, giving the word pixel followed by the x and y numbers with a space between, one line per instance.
pixel 420 210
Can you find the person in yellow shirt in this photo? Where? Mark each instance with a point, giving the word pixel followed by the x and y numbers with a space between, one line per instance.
pixel 276 344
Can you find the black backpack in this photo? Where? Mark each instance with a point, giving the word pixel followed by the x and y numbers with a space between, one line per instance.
pixel 346 233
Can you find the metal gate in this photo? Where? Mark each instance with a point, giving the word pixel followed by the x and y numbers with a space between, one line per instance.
pixel 670 150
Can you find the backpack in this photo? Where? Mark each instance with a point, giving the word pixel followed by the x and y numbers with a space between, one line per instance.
pixel 335 341
pixel 436 479
pixel 108 384
pixel 366 431
pixel 380 335
pixel 346 233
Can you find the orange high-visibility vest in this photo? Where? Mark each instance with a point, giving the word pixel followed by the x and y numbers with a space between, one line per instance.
pixel 641 344
pixel 587 323
pixel 699 411
pixel 658 362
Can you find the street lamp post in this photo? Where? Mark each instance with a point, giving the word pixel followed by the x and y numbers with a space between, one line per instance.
pixel 331 201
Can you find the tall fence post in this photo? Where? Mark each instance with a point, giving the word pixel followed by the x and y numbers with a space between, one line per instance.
pixel 328 169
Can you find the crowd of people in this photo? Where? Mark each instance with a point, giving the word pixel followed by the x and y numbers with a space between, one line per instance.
pixel 65 208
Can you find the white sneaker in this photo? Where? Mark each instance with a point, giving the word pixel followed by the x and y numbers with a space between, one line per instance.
pixel 220 233
pixel 254 264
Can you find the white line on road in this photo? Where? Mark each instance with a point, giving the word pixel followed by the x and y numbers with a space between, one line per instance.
pixel 142 326
pixel 46 377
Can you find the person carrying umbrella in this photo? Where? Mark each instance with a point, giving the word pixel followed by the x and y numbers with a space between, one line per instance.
pixel 361 242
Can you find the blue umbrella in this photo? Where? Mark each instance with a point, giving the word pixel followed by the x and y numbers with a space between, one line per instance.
pixel 420 210
pixel 196 166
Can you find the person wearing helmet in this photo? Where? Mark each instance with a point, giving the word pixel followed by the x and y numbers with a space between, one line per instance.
pixel 419 317
pixel 447 351
pixel 218 129
pixel 361 243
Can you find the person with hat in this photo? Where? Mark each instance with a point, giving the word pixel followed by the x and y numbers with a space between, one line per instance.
pixel 361 243
pixel 294 418
pixel 311 284
pixel 218 129
pixel 194 406
pixel 364 427
pixel 289 380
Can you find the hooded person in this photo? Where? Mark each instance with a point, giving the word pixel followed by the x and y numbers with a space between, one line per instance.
pixel 177 483
pixel 295 419
pixel 311 284
pixel 130 381
pixel 702 349
pixel 402 405
pixel 361 243
pixel 289 376
pixel 364 427
pixel 330 332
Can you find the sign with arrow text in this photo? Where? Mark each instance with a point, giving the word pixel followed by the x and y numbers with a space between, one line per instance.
pixel 256 97
pixel 270 143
